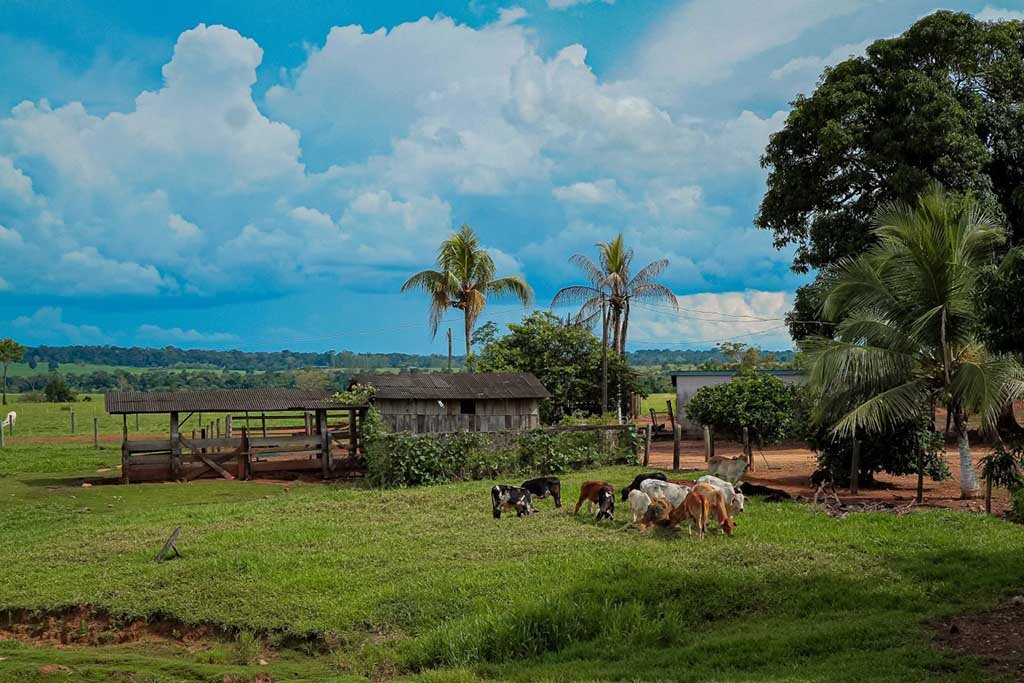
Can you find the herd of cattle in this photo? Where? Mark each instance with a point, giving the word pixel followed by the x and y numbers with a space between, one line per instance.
pixel 653 499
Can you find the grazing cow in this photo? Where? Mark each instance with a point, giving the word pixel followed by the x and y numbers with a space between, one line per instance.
pixel 639 479
pixel 10 421
pixel 695 508
pixel 657 514
pixel 672 494
pixel 733 496
pixel 825 484
pixel 599 492
pixel 729 469
pixel 717 507
pixel 542 487
pixel 638 504
pixel 505 498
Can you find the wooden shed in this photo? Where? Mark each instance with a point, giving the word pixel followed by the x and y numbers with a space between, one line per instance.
pixel 452 402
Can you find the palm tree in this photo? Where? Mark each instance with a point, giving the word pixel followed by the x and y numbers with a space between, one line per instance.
pixel 611 284
pixel 905 326
pixel 464 280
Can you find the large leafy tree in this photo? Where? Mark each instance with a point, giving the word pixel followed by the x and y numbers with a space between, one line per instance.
pixel 464 280
pixel 613 283
pixel 10 352
pixel 906 326
pixel 943 101
pixel 565 358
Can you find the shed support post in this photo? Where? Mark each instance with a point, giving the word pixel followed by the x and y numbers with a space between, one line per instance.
pixel 244 462
pixel 175 448
pixel 647 445
pixel 353 426
pixel 124 448
pixel 227 426
pixel 671 415
pixel 325 441
pixel 263 418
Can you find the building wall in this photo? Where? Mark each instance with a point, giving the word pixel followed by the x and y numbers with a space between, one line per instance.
pixel 420 416
pixel 688 385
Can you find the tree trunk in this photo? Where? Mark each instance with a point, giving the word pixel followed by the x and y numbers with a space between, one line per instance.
pixel 469 333
pixel 5 384
pixel 920 475
pixel 968 481
pixel 625 329
pixel 988 495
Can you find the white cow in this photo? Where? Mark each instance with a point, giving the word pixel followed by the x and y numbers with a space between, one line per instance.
pixel 12 417
pixel 729 469
pixel 638 504
pixel 732 494
pixel 672 494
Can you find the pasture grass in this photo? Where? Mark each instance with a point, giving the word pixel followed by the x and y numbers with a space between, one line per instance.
pixel 656 401
pixel 331 582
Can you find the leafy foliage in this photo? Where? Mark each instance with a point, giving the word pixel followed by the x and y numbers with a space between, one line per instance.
pixel 762 403
pixel 10 352
pixel 58 391
pixel 355 395
pixel 403 459
pixel 1004 466
pixel 567 361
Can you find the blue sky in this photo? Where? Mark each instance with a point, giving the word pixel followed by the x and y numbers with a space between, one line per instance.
pixel 265 175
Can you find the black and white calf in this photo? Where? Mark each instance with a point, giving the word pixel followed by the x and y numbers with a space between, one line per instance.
pixel 542 487
pixel 505 498
pixel 639 479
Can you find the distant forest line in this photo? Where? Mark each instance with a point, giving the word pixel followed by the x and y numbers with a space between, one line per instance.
pixel 173 369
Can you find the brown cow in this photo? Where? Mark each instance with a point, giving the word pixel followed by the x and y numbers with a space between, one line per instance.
pixel 600 492
pixel 694 509
pixel 716 503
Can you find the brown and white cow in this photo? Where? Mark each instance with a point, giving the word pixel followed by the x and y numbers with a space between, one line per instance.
pixel 600 493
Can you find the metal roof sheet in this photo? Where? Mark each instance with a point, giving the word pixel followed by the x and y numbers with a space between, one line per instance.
pixel 240 400
pixel 459 385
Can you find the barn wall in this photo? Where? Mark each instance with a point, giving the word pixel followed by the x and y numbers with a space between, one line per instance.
pixel 420 416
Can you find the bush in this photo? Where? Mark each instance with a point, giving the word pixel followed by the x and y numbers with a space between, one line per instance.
pixel 58 391
pixel 404 459
pixel 1018 505
pixel 894 451
pixel 762 403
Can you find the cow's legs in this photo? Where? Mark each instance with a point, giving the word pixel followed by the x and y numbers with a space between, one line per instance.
pixel 578 504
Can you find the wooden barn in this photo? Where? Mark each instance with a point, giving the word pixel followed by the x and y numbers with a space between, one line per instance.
pixel 452 402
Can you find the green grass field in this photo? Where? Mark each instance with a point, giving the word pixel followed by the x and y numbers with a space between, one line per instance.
pixel 336 583
pixel 656 401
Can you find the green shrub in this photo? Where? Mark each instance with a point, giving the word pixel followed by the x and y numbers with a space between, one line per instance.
pixel 404 459
pixel 1018 504
pixel 893 451
pixel 762 403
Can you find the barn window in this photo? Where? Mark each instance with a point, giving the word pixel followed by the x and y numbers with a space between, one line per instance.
pixel 468 407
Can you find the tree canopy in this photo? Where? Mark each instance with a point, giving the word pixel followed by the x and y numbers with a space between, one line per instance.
pixel 943 101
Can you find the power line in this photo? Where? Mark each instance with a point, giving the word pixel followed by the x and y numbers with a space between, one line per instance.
pixel 668 308
pixel 683 316
pixel 707 341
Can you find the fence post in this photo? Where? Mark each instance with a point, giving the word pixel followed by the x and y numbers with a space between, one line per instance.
pixel 647 445
pixel 748 452
pixel 227 426
pixel 136 422
pixel 709 444
pixel 72 420
pixel 95 432
pixel 2 444
pixel 263 416
pixel 855 468
pixel 676 436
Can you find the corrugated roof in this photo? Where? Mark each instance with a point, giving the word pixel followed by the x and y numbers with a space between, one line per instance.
pixel 254 400
pixel 459 385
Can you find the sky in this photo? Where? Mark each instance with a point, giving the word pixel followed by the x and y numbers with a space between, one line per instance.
pixel 266 174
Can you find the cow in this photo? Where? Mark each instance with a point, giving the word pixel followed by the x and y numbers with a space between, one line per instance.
pixel 717 507
pixel 638 504
pixel 599 492
pixel 729 469
pixel 657 514
pixel 639 479
pixel 733 496
pixel 10 421
pixel 695 508
pixel 672 494
pixel 505 498
pixel 542 487
pixel 825 483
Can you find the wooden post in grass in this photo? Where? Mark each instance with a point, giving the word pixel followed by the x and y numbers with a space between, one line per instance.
pixel 988 495
pixel 264 418
pixel 920 475
pixel 72 420
pixel 95 432
pixel 671 415
pixel 676 436
pixel 308 417
pixel 647 444
pixel 748 452
pixel 855 468
pixel 709 443
pixel 2 444
pixel 227 426
pixel 325 440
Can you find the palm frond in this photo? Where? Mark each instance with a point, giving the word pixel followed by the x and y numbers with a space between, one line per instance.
pixel 513 285
pixel 885 409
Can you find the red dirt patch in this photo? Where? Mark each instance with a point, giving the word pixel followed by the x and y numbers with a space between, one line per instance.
pixel 789 468
pixel 84 626
pixel 996 636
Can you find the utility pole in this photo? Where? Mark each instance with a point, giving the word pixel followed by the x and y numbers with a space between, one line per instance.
pixel 604 354
pixel 449 349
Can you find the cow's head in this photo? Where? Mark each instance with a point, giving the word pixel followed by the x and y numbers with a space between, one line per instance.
pixel 737 499
pixel 524 505
pixel 728 525
pixel 606 504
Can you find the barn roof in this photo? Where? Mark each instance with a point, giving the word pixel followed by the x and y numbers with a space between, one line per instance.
pixel 460 385
pixel 256 400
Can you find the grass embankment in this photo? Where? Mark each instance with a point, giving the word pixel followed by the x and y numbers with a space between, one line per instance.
pixel 424 583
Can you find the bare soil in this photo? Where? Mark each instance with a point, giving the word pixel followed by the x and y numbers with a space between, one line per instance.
pixel 997 637
pixel 789 467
